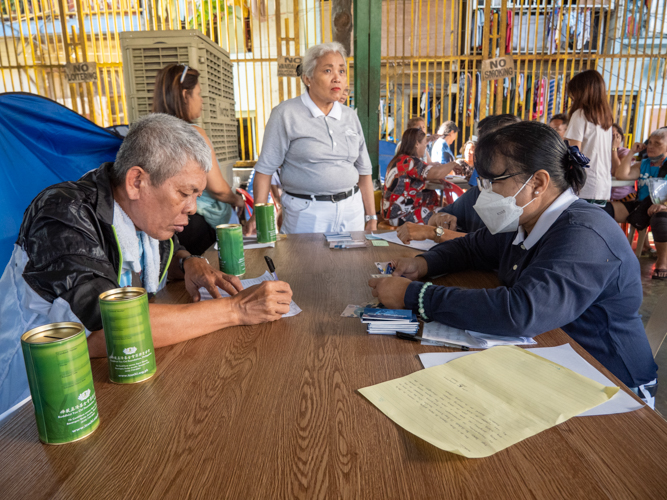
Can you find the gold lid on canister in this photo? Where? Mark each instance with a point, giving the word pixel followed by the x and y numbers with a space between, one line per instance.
pixel 126 293
pixel 52 333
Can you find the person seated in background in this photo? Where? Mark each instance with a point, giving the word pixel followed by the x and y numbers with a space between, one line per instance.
pixel 562 262
pixel 344 95
pixel 618 152
pixel 420 123
pixel 642 212
pixel 466 164
pixel 458 218
pixel 178 93
pixel 559 123
pixel 442 152
pixel 116 227
pixel 404 198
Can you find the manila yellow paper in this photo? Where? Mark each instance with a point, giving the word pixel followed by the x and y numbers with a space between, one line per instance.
pixel 482 403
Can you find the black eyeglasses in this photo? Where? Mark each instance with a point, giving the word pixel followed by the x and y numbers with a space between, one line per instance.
pixel 486 183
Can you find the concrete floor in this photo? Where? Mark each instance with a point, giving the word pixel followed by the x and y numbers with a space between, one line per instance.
pixel 653 290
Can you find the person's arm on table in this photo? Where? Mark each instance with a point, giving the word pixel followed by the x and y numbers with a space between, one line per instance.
pixel 439 171
pixel 174 323
pixel 419 232
pixel 626 171
pixel 526 308
pixel 368 197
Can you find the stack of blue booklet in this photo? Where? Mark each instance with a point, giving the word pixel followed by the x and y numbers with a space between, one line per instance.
pixel 389 321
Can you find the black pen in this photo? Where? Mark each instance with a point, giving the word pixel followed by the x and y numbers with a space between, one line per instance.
pixel 407 336
pixel 272 268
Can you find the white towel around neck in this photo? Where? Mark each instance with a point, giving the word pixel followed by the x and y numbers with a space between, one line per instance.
pixel 128 238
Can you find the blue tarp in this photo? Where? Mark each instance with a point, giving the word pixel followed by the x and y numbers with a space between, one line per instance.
pixel 42 143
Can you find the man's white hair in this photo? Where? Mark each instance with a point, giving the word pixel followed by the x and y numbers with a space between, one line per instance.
pixel 162 145
pixel 315 52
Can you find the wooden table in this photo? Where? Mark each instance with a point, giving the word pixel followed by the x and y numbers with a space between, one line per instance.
pixel 272 411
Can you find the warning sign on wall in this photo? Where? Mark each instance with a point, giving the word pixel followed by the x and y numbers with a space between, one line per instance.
pixel 500 67
pixel 81 72
pixel 287 65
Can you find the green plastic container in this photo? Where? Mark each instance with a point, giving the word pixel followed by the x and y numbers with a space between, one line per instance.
pixel 127 332
pixel 265 218
pixel 230 249
pixel 61 382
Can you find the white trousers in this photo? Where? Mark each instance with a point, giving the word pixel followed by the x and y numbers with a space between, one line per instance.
pixel 309 216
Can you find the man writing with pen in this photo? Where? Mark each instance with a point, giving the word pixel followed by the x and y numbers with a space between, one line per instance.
pixel 116 227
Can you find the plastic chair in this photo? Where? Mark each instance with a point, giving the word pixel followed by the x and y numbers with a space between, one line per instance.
pixel 451 191
pixel 656 328
pixel 641 238
pixel 249 202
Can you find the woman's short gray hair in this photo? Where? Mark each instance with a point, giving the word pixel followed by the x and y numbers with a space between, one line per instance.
pixel 162 145
pixel 315 52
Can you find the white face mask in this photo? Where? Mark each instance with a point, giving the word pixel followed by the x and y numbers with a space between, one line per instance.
pixel 500 214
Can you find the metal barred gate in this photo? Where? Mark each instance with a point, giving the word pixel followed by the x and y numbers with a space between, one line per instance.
pixel 432 52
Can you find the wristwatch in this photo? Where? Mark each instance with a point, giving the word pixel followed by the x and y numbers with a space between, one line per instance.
pixel 371 217
pixel 439 231
pixel 182 260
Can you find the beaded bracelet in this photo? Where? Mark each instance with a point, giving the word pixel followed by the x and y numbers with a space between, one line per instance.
pixel 421 300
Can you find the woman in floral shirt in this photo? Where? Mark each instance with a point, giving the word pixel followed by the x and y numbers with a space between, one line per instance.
pixel 405 199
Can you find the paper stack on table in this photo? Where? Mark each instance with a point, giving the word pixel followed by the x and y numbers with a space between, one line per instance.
pixel 293 308
pixel 392 237
pixel 482 403
pixel 437 332
pixel 565 356
pixel 389 321
pixel 343 240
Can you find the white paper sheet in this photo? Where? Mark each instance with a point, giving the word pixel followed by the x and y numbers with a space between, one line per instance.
pixel 293 308
pixel 443 333
pixel 564 355
pixel 417 245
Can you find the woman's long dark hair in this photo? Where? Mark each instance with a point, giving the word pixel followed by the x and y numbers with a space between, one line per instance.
pixel 168 93
pixel 588 93
pixel 527 147
pixel 409 140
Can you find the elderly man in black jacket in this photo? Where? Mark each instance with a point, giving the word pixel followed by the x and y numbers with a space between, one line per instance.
pixel 116 226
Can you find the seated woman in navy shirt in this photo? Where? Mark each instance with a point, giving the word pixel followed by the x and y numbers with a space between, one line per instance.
pixel 563 263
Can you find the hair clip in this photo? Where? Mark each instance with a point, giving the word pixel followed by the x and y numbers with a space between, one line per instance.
pixel 185 71
pixel 576 157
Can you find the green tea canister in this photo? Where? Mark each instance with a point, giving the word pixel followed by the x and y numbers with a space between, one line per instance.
pixel 265 219
pixel 61 382
pixel 230 249
pixel 127 332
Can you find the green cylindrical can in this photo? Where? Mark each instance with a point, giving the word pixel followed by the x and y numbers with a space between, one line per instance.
pixel 61 382
pixel 127 332
pixel 230 249
pixel 265 218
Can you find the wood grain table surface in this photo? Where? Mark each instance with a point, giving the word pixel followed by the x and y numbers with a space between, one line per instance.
pixel 272 411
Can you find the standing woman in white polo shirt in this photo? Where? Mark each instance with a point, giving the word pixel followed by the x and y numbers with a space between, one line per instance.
pixel 326 170
pixel 590 130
